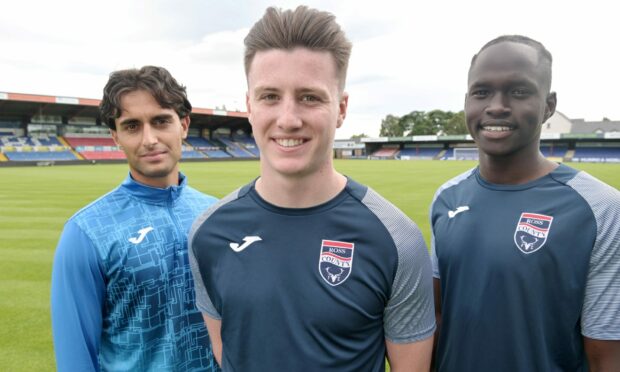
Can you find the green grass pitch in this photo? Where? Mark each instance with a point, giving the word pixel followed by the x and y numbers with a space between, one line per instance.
pixel 36 201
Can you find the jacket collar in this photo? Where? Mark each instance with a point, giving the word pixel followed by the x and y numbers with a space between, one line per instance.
pixel 154 194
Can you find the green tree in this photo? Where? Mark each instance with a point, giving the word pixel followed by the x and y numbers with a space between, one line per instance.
pixel 391 127
pixel 456 124
pixel 418 123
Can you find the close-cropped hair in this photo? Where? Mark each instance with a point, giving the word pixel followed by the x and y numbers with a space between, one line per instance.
pixel 544 56
pixel 303 27
pixel 156 80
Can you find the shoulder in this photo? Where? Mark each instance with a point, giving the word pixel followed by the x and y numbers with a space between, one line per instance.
pixel 454 182
pixel 100 207
pixel 594 191
pixel 196 196
pixel 604 202
pixel 216 206
pixel 403 231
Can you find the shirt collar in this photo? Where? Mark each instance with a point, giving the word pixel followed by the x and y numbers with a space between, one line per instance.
pixel 154 194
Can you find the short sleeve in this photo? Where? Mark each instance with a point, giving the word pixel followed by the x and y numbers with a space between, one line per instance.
pixel 601 308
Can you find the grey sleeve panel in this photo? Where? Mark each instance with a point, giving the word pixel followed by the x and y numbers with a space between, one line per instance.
pixel 600 318
pixel 409 315
pixel 203 301
pixel 453 182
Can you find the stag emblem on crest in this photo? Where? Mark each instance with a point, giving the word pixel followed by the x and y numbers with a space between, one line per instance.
pixel 532 231
pixel 335 261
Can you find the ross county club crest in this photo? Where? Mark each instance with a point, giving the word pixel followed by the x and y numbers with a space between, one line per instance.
pixel 336 261
pixel 531 232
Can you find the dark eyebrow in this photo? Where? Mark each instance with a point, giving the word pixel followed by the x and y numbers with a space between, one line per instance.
pixel 129 121
pixel 162 116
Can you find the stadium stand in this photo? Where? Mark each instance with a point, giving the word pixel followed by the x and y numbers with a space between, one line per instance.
pixel 419 153
pixel 248 143
pixel 79 142
pixel 94 148
pixel 597 154
pixel 102 155
pixel 199 142
pixel 36 148
pixel 449 154
pixel 385 153
pixel 204 146
pixel 235 149
pixel 465 153
pixel 553 151
pixel 40 155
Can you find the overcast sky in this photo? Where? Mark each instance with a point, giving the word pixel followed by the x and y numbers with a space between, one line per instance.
pixel 407 55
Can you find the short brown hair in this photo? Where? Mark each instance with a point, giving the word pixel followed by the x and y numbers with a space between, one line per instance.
pixel 155 80
pixel 302 27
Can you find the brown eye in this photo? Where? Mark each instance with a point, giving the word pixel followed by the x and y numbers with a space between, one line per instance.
pixel 479 93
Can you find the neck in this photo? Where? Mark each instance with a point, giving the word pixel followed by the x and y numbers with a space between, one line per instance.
pixel 302 191
pixel 515 170
pixel 172 179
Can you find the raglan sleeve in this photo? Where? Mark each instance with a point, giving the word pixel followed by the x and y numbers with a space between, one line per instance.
pixel 77 295
pixel 434 260
pixel 410 314
pixel 601 308
pixel 195 245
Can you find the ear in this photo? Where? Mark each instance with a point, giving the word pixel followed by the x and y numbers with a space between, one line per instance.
pixel 343 104
pixel 551 102
pixel 115 137
pixel 185 126
pixel 248 106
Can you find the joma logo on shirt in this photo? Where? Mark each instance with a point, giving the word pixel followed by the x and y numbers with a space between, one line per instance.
pixel 142 235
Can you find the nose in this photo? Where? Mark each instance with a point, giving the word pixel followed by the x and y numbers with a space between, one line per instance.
pixel 149 136
pixel 289 118
pixel 498 105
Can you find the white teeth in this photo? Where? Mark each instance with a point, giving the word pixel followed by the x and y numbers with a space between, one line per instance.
pixel 491 128
pixel 289 142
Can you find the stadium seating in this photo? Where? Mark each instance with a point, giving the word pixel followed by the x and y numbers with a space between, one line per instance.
pixel 449 155
pixel 39 155
pixel 217 154
pixel 29 141
pixel 102 155
pixel 193 154
pixel 248 143
pixel 597 154
pixel 553 151
pixel 385 153
pixel 235 149
pixel 199 142
pixel 427 153
pixel 77 142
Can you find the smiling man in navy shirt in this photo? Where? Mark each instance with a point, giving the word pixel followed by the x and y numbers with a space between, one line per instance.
pixel 526 252
pixel 305 269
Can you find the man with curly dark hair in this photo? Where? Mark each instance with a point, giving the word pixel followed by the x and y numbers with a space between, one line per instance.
pixel 122 290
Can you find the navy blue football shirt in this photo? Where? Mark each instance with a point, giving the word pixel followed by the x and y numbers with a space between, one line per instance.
pixel 526 271
pixel 312 289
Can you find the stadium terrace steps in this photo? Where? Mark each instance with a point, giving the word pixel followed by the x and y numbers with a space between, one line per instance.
pixel 63 141
pixel 77 154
